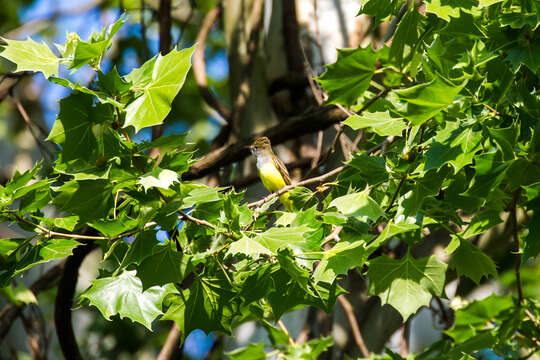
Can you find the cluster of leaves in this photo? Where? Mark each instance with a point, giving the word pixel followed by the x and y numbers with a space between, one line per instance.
pixel 453 100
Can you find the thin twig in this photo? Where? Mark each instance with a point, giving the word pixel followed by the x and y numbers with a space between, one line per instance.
pixel 284 328
pixel 316 179
pixel 32 340
pixel 51 233
pixel 357 335
pixel 518 248
pixel 395 21
pixel 172 342
pixel 45 152
pixel 301 183
pixel 199 66
pixel 396 194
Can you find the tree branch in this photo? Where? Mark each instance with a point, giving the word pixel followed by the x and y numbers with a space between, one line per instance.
pixel 172 342
pixel 64 302
pixel 357 335
pixel 199 66
pixel 45 282
pixel 51 233
pixel 320 119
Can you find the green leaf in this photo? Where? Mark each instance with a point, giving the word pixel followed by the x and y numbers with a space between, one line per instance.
pixel 115 227
pixel 477 316
pixel 443 11
pixel 430 185
pixel 372 169
pixel 407 284
pixel 299 275
pixel 208 305
pixel 348 78
pixel 123 295
pixel 168 75
pixel 481 222
pixel 486 3
pixel 531 243
pixel 165 143
pixel 67 223
pixel 358 204
pixel 164 266
pixel 112 82
pixel 390 230
pixel 101 96
pixel 345 255
pixel 472 262
pixel 380 122
pixel 506 140
pixel 285 237
pixel 8 246
pixel 455 145
pixel 310 350
pixel 406 36
pixel 73 128
pixel 248 247
pixel 159 178
pixel 18 295
pixel 201 194
pixel 52 249
pixel 29 55
pixel 380 9
pixel 88 199
pixel 141 248
pixel 80 52
pixel 490 171
pixel 424 101
pixel 251 352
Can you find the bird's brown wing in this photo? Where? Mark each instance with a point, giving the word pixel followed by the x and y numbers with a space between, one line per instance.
pixel 282 170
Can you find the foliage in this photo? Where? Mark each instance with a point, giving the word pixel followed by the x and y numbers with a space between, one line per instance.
pixel 460 107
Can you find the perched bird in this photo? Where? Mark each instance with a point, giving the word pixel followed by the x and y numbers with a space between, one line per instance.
pixel 272 171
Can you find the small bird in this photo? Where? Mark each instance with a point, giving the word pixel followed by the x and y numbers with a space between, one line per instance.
pixel 272 171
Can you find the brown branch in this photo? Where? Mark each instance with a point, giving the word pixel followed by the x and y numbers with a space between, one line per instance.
pixel 320 119
pixel 228 154
pixel 171 344
pixel 357 335
pixel 33 341
pixel 10 311
pixel 195 220
pixel 64 302
pixel 199 66
pixel 253 178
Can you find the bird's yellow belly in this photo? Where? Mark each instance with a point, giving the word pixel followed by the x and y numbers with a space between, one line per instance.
pixel 271 178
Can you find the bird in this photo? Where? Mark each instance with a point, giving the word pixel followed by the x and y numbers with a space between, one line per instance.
pixel 272 171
